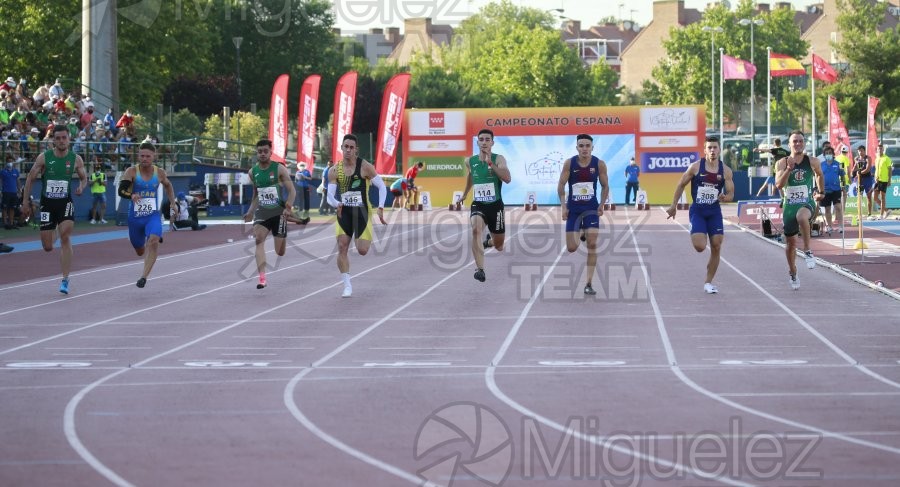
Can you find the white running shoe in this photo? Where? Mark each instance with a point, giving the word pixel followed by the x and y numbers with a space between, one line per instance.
pixel 102 221
pixel 795 282
pixel 93 222
pixel 810 259
pixel 710 289
pixel 348 291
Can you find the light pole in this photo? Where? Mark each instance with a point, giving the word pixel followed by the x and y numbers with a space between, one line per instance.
pixel 751 23
pixel 237 44
pixel 712 67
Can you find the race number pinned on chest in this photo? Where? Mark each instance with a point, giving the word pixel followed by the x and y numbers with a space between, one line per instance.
pixel 583 191
pixel 707 195
pixel 57 189
pixel 145 207
pixel 796 195
pixel 484 192
pixel 351 198
pixel 268 196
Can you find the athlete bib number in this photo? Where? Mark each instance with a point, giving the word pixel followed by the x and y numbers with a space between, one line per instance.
pixel 796 195
pixel 484 192
pixel 352 198
pixel 582 191
pixel 268 196
pixel 145 207
pixel 707 195
pixel 57 189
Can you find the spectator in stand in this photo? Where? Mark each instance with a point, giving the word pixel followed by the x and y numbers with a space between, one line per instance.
pixel 109 121
pixel 126 121
pixel 186 214
pixel 22 90
pixel 41 95
pixel 9 85
pixel 87 119
pixel 57 90
pixel 10 199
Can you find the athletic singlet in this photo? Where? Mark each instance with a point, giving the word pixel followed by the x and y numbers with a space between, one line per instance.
pixel 798 190
pixel 353 189
pixel 149 193
pixel 707 186
pixel 57 175
pixel 266 181
pixel 485 182
pixel 583 184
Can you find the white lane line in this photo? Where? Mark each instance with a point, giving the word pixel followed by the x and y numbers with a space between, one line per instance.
pixel 490 380
pixel 670 354
pixel 161 276
pixel 334 441
pixel 290 337
pixel 71 407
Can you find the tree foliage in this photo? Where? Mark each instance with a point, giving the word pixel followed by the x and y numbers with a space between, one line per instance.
pixel 872 56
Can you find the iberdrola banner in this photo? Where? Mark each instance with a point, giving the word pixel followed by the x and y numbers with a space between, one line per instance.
pixel 306 120
pixel 278 127
pixel 344 103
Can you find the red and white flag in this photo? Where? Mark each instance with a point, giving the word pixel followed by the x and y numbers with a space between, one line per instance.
pixel 344 103
pixel 871 135
pixel 734 68
pixel 822 70
pixel 278 127
pixel 837 132
pixel 306 120
pixel 392 105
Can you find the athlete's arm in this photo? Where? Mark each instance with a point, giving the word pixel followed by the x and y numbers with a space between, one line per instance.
pixel 679 188
pixel 603 180
pixel 502 170
pixel 285 177
pixel 36 170
pixel 82 176
pixel 469 182
pixel 170 192
pixel 253 199
pixel 563 181
pixel 728 195
pixel 782 170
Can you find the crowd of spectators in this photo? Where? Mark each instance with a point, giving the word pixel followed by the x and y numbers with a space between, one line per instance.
pixel 27 119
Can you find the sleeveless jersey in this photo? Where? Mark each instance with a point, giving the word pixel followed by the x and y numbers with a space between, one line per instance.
pixel 353 189
pixel 798 190
pixel 485 182
pixel 148 190
pixel 707 186
pixel 57 175
pixel 583 184
pixel 266 181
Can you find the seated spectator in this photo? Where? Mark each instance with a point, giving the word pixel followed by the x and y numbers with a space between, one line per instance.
pixel 9 85
pixel 41 95
pixel 56 90
pixel 125 121
pixel 186 216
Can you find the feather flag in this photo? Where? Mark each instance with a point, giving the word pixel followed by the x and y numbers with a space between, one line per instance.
pixel 781 65
pixel 733 68
pixel 822 70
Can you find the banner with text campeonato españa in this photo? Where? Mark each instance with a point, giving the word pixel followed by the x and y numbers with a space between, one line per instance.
pixel 536 142
pixel 306 120
pixel 390 123
pixel 344 103
pixel 278 127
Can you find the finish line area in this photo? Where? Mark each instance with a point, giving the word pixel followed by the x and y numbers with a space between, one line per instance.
pixel 428 377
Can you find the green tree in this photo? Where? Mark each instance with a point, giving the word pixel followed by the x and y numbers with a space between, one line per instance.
pixel 869 52
pixel 684 77
pixel 33 44
pixel 185 125
pixel 431 85
pixel 510 56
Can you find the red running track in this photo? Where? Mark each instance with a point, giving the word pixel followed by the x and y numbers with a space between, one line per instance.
pixel 428 375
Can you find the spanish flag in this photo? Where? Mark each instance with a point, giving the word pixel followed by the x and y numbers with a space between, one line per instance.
pixel 781 65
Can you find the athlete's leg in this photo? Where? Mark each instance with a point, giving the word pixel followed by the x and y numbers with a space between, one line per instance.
pixel 804 214
pixel 65 246
pixel 260 232
pixel 477 223
pixel 715 249
pixel 343 261
pixel 591 235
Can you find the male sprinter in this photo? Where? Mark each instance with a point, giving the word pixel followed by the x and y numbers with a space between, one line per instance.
pixel 582 210
pixel 711 183
pixel 55 168
pixel 350 178
pixel 140 184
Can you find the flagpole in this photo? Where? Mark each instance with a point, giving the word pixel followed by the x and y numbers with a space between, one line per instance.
pixel 812 81
pixel 721 97
pixel 769 106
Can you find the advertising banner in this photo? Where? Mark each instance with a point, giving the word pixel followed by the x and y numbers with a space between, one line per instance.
pixel 536 142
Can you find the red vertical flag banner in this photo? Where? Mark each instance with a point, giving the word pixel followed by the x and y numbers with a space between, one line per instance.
pixel 278 127
pixel 344 103
pixel 837 132
pixel 871 135
pixel 306 120
pixel 389 124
